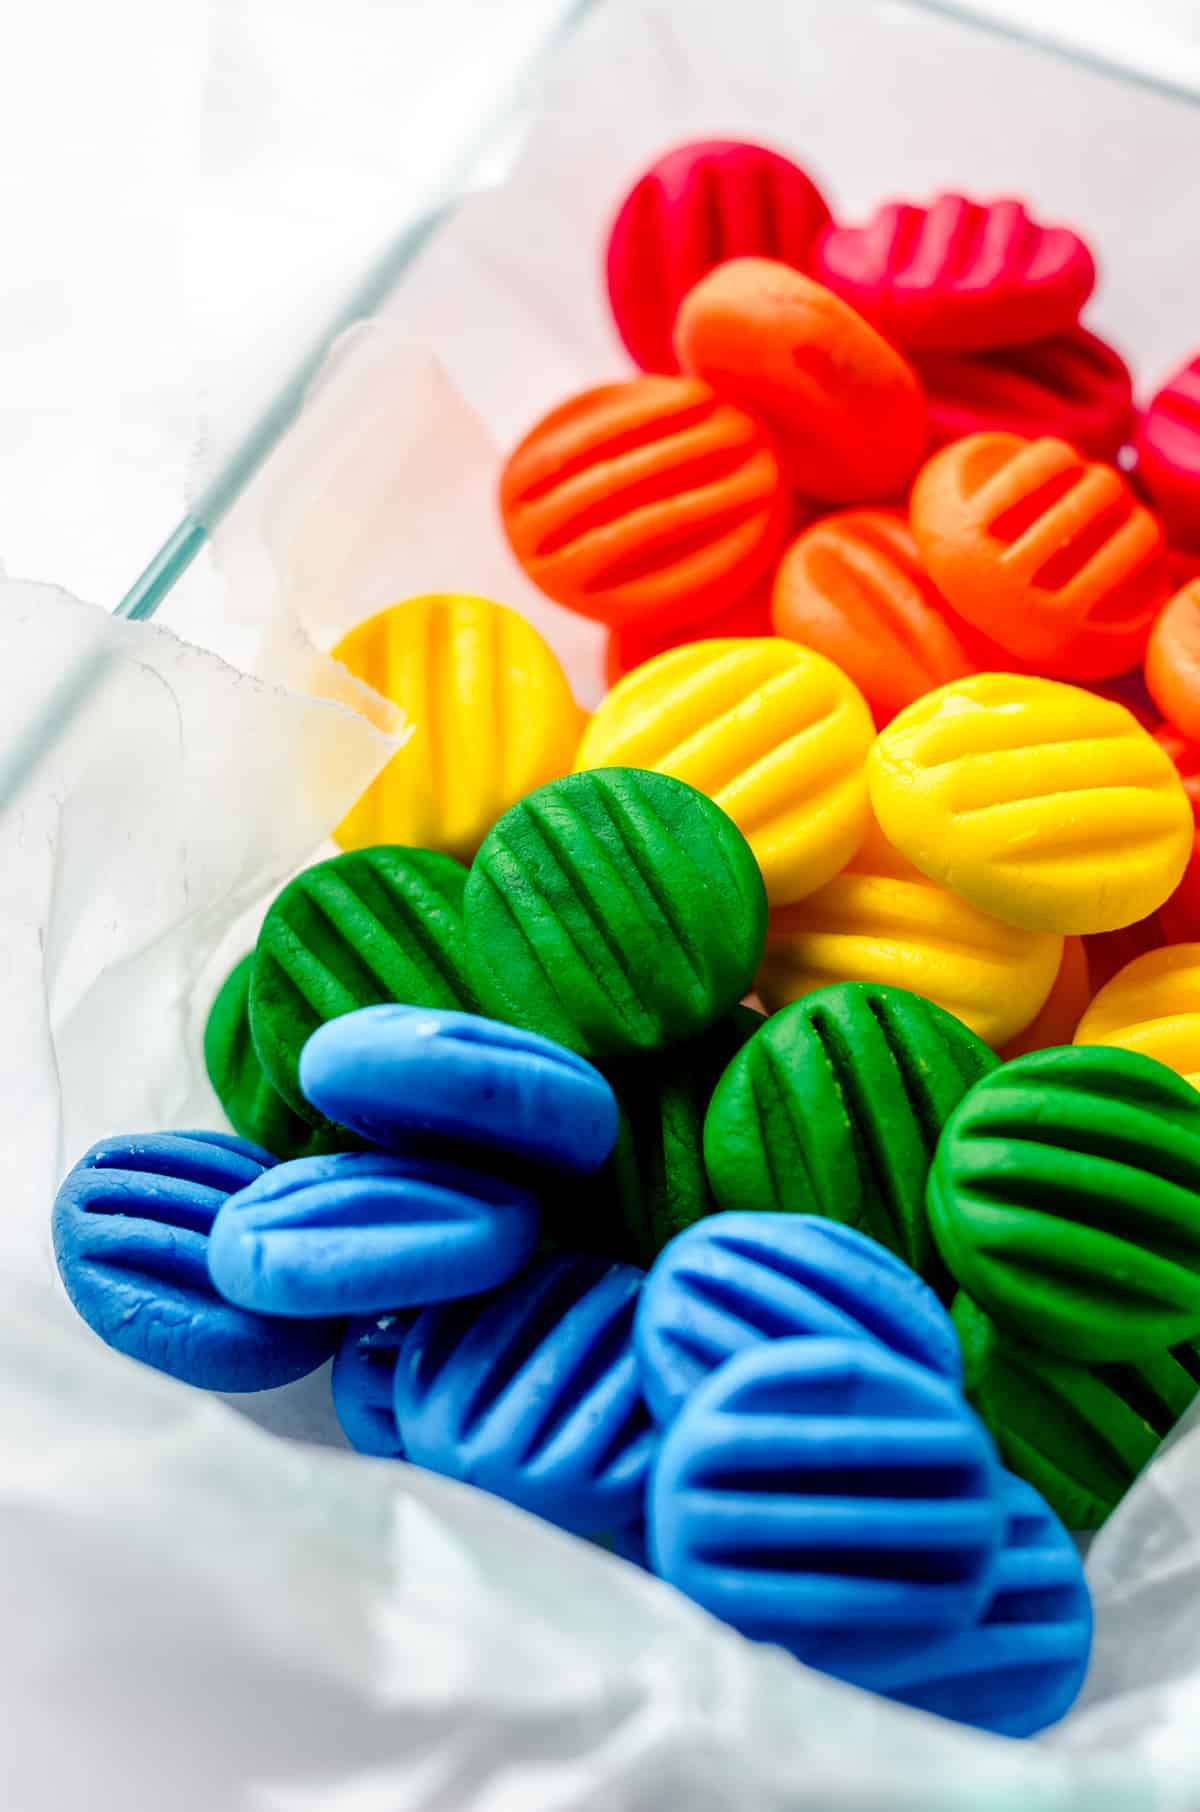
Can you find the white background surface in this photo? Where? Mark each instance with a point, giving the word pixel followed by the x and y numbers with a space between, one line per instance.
pixel 185 189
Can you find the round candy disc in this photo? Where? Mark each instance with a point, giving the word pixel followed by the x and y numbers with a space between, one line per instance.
pixel 615 911
pixel 1046 553
pixel 699 204
pixel 1152 1006
pixel 853 588
pixel 392 1072
pixel 958 272
pixel 363 1381
pixel 1080 1433
pixel 734 1280
pixel 844 408
pixel 362 1232
pixel 1040 803
pixel 131 1234
pixel 1064 1199
pixel 1020 1668
pixel 830 1496
pixel 374 925
pixel 881 920
pixel 834 1108
pixel 532 1393
pixel 492 718
pixel 777 735
pixel 650 502
pixel 255 1107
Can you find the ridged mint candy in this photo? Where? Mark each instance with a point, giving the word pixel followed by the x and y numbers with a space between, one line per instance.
pixel 1065 1199
pixel 357 1233
pixel 1020 1668
pixel 131 1227
pixel 618 911
pixel 375 925
pixel 737 1279
pixel 254 1105
pixel 532 1392
pixel 834 1107
pixel 399 1073
pixel 833 1497
pixel 1079 1433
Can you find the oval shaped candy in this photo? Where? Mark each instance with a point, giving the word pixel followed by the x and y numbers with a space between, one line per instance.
pixel 651 502
pixel 830 1496
pixel 1168 453
pixel 654 1184
pixel 834 1108
pixel 1040 803
pixel 131 1230
pixel 628 648
pixel 1064 1006
pixel 734 1280
pixel 371 926
pixel 958 272
pixel 1070 385
pixel 363 1381
pixel 1021 1667
pixel 1079 1433
pixel 1173 661
pixel 1063 1198
pixel 694 207
pixel 491 712
pixel 1048 554
pixel 395 1071
pixel 1152 1006
pixel 845 410
pixel 615 911
pixel 255 1107
pixel 361 1232
pixel 532 1393
pixel 776 735
pixel 853 588
pixel 881 920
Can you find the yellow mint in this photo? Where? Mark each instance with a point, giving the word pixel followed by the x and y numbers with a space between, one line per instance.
pixel 882 920
pixel 1152 1005
pixel 1041 803
pixel 493 718
pixel 774 733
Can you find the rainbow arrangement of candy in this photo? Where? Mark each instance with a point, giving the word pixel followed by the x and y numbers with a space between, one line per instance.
pixel 841 1315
